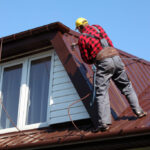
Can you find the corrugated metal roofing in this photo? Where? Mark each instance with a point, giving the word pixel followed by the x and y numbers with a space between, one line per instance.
pixel 125 124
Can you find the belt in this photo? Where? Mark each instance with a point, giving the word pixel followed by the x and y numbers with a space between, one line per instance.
pixel 107 52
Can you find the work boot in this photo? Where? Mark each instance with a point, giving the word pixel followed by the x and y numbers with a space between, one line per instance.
pixel 140 114
pixel 103 127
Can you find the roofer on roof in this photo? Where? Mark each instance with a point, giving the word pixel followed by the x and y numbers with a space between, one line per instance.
pixel 97 48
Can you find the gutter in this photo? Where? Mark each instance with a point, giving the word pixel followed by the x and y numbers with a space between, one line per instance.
pixel 77 139
pixel 31 39
pixel 50 27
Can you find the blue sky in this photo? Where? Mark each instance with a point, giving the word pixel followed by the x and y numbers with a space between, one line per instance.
pixel 127 22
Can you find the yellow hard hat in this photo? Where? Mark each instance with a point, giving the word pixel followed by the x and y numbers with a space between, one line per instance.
pixel 80 21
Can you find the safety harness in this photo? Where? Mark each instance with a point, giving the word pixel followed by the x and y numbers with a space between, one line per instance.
pixel 104 44
pixel 102 40
pixel 106 52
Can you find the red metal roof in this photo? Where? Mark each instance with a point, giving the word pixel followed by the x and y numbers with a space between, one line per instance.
pixel 125 124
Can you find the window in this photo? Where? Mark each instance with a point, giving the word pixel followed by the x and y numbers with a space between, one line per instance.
pixel 38 90
pixel 24 91
pixel 10 94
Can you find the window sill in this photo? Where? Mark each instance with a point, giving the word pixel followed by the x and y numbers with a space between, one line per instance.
pixel 27 127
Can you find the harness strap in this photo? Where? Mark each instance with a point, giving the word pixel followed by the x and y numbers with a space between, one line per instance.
pixel 90 35
pixel 103 41
pixel 98 31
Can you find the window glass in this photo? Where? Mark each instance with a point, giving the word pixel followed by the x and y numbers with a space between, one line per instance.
pixel 10 95
pixel 38 91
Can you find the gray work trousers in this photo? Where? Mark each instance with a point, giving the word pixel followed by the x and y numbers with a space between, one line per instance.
pixel 112 68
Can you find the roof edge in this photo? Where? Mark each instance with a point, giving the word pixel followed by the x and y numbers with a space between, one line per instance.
pixel 81 139
pixel 56 26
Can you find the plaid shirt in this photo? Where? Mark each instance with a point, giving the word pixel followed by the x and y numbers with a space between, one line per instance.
pixel 89 47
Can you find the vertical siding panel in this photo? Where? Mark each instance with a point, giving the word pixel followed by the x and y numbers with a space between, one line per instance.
pixel 63 94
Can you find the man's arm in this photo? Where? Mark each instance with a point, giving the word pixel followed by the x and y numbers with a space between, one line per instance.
pixel 84 51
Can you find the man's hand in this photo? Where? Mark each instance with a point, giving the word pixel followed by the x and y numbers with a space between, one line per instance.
pixel 74 45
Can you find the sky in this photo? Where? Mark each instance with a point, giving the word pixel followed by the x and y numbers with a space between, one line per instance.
pixel 127 22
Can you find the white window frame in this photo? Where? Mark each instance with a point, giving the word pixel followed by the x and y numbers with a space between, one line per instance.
pixel 24 90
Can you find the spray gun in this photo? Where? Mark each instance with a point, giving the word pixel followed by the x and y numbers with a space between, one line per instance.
pixel 73 45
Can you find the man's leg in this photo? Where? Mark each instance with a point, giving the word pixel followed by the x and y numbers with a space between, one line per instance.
pixel 122 81
pixel 102 103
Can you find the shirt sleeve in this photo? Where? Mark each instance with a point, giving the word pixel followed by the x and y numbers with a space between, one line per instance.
pixel 84 52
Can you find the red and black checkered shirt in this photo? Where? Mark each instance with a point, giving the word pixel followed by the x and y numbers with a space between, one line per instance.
pixel 89 46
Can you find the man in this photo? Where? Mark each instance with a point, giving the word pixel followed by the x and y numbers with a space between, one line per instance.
pixel 96 48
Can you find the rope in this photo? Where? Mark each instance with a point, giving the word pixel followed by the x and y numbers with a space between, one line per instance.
pixel 3 107
pixel 73 104
pixel 1 48
pixel 12 122
pixel 8 115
